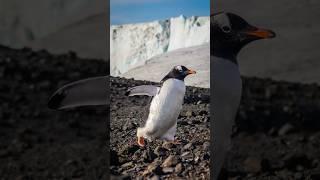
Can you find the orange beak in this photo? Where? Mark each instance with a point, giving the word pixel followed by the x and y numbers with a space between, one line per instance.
pixel 261 33
pixel 191 71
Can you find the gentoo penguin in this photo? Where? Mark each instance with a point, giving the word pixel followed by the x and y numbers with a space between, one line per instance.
pixel 165 106
pixel 229 34
pixel 87 92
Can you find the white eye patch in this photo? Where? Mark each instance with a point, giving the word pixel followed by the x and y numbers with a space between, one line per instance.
pixel 179 68
pixel 223 20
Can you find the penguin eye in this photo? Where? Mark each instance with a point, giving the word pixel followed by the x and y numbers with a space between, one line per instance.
pixel 226 29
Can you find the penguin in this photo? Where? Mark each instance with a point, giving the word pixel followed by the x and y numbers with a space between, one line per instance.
pixel 165 106
pixel 229 34
pixel 164 110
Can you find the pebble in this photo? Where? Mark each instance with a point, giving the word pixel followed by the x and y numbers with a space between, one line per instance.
pixel 170 161
pixel 130 150
pixel 285 129
pixel 126 165
pixel 206 146
pixel 129 125
pixel 155 177
pixel 187 156
pixel 187 146
pixel 149 155
pixel 168 170
pixel 179 168
pixel 160 151
pixel 189 114
pixel 168 145
pixel 153 168
pixel 252 164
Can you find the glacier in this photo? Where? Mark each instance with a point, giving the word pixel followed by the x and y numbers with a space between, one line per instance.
pixel 196 58
pixel 131 45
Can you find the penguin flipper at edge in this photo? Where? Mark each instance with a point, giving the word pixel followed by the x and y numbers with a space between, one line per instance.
pixel 147 90
pixel 86 92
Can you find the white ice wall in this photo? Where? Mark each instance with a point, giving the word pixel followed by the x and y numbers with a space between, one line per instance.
pixel 132 45
pixel 187 32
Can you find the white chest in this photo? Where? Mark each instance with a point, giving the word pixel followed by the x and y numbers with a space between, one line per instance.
pixel 166 105
pixel 226 78
pixel 170 98
pixel 225 100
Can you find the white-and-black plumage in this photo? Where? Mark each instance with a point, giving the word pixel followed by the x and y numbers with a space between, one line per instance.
pixel 86 92
pixel 229 33
pixel 165 106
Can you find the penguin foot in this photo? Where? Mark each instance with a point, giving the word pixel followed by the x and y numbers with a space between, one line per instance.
pixel 141 141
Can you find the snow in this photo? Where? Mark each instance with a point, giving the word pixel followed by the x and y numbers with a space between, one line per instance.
pixel 131 45
pixel 196 58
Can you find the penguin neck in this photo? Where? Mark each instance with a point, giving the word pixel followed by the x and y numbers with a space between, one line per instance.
pixel 226 53
pixel 168 77
pixel 227 56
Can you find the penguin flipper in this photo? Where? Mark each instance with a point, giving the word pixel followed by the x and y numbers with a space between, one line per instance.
pixel 147 90
pixel 86 92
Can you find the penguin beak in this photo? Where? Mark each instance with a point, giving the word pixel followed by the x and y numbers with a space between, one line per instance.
pixel 261 33
pixel 191 72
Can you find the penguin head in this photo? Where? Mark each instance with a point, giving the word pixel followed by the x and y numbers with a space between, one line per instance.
pixel 178 72
pixel 230 33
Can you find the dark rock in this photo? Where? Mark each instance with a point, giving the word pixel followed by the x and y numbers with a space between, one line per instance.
pixel 203 113
pixel 167 170
pixel 293 161
pixel 128 164
pixel 206 146
pixel 130 150
pixel 315 175
pixel 155 177
pixel 170 161
pixel 168 145
pixel 189 114
pixel 252 164
pixel 285 129
pixel 187 156
pixel 298 176
pixel 160 151
pixel 4 153
pixel 265 165
pixel 153 168
pixel 149 155
pixel 179 168
pixel 129 125
pixel 114 160
pixel 187 146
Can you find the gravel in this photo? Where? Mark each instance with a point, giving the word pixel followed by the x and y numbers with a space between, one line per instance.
pixel 188 159
pixel 39 143
pixel 276 135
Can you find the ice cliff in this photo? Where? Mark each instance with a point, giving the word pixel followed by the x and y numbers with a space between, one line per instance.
pixel 131 45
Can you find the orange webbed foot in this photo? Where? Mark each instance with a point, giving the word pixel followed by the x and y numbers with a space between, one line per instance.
pixel 141 141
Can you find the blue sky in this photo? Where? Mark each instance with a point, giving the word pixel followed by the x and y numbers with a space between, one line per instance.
pixel 133 11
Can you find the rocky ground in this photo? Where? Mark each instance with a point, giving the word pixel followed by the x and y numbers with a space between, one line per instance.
pixel 39 143
pixel 276 135
pixel 190 159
